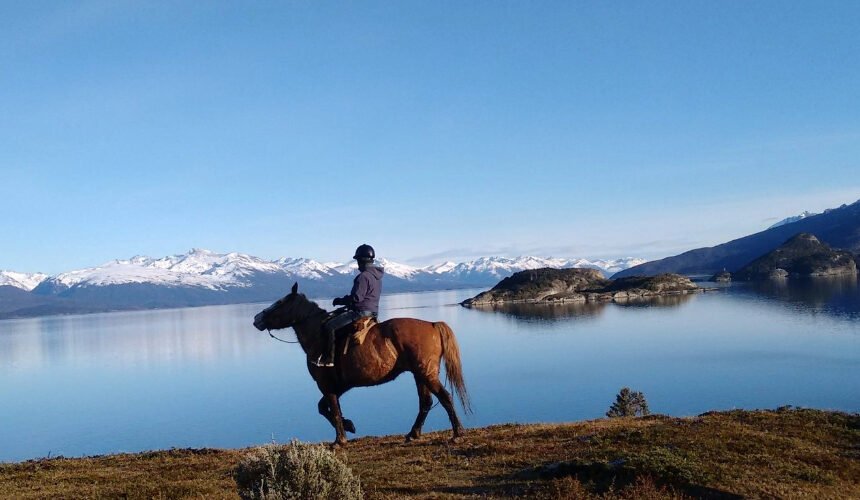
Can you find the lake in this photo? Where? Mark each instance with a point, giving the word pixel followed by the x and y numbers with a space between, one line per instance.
pixel 204 377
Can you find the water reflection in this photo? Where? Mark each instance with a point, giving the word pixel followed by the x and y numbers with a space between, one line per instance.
pixel 838 296
pixel 545 312
pixel 667 301
pixel 147 338
pixel 553 312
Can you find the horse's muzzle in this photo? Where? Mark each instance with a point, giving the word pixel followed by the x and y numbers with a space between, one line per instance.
pixel 260 321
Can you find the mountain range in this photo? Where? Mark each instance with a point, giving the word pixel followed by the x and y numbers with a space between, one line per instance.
pixel 838 228
pixel 203 277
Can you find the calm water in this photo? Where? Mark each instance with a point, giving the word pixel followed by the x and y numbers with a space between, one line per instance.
pixel 198 377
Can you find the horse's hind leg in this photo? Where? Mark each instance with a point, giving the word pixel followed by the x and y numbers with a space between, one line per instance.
pixel 444 397
pixel 425 403
pixel 325 411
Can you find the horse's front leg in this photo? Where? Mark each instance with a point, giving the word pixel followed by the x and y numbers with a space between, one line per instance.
pixel 334 405
pixel 325 411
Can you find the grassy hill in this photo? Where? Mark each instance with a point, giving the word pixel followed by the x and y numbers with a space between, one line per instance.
pixel 784 453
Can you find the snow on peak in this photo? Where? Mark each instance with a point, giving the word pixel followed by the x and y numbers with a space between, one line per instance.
pixel 503 266
pixel 400 270
pixel 304 268
pixel 442 268
pixel 794 218
pixel 24 281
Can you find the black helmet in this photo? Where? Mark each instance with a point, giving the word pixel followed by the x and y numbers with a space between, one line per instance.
pixel 364 252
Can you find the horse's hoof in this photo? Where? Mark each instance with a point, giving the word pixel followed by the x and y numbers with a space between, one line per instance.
pixel 456 439
pixel 348 426
pixel 412 436
pixel 338 443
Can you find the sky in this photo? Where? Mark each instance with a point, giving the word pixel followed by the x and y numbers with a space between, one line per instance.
pixel 432 130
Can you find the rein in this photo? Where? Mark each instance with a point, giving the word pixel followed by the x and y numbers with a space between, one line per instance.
pixel 281 340
pixel 269 330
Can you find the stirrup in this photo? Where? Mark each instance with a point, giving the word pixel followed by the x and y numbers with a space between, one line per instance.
pixel 319 362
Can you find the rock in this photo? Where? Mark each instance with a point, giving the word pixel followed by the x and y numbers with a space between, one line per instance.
pixel 652 285
pixel 538 285
pixel 722 277
pixel 777 274
pixel 802 255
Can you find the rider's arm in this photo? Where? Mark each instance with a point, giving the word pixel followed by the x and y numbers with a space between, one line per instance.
pixel 359 289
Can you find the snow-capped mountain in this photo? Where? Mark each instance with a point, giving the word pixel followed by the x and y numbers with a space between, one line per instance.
pixel 794 218
pixel 487 270
pixel 201 277
pixel 24 281
pixel 200 268
pixel 206 269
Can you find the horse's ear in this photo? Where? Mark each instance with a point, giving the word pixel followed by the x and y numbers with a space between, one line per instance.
pixel 295 289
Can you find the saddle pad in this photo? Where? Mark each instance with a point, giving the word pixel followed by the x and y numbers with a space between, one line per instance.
pixel 361 327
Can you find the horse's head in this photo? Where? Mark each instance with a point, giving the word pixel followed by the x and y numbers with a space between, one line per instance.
pixel 284 313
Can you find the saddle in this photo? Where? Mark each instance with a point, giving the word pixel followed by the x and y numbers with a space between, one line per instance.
pixel 360 327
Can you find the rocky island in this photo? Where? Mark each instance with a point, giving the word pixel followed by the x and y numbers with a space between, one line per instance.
pixel 722 277
pixel 803 255
pixel 579 285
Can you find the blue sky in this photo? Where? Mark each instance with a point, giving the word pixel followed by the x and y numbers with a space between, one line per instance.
pixel 432 130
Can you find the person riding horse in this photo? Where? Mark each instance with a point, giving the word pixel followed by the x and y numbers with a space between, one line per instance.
pixel 362 301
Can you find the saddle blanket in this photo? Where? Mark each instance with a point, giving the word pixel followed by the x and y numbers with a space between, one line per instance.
pixel 361 326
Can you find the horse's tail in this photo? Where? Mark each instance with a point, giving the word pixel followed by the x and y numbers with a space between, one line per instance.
pixel 453 367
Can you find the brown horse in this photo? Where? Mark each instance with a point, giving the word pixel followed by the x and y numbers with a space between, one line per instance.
pixel 389 349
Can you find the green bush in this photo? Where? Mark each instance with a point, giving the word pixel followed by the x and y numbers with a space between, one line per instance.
pixel 628 404
pixel 296 471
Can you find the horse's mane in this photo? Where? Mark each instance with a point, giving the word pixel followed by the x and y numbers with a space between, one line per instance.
pixel 306 307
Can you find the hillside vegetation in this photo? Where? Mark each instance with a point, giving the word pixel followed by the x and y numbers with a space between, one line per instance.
pixel 786 453
pixel 802 255
pixel 579 285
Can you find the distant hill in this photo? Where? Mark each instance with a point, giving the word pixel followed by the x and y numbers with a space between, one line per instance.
pixel 802 255
pixel 13 298
pixel 838 228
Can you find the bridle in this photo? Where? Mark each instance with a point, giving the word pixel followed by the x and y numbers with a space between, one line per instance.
pixel 292 325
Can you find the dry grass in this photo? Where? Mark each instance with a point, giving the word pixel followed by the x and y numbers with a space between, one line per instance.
pixel 759 454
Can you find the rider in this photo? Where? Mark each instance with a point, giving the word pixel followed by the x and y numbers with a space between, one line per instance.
pixel 362 301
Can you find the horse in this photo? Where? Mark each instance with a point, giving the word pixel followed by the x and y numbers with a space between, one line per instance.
pixel 390 348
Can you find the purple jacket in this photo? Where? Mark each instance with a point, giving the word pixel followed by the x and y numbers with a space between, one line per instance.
pixel 366 289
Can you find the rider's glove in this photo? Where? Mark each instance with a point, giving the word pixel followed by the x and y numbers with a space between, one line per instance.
pixel 338 301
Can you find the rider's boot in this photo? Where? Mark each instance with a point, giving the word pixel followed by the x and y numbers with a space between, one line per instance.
pixel 326 358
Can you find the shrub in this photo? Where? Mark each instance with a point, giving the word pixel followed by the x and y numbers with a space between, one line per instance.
pixel 628 404
pixel 295 471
